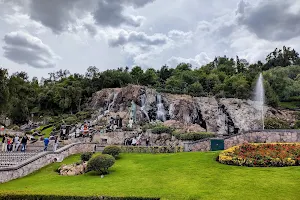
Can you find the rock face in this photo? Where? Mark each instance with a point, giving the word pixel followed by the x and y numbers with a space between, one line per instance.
pixel 222 116
pixel 72 170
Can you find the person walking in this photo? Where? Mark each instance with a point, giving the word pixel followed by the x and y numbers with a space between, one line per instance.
pixel 55 144
pixel 4 143
pixel 147 141
pixel 16 143
pixel 9 144
pixel 46 142
pixel 24 143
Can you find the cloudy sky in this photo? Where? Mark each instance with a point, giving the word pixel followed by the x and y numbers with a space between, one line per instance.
pixel 42 36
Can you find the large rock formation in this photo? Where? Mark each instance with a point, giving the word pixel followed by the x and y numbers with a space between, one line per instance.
pixel 222 116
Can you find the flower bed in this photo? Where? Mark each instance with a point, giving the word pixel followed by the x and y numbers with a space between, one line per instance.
pixel 262 155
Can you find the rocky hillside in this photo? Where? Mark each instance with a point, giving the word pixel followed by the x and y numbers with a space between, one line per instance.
pixel 222 116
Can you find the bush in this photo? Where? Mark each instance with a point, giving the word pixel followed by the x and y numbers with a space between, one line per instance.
pixel 192 136
pixel 262 155
pixel 274 123
pixel 71 120
pixel 86 156
pixel 297 124
pixel 101 163
pixel 15 128
pixel 83 115
pixel 152 149
pixel 161 129
pixel 56 197
pixel 112 150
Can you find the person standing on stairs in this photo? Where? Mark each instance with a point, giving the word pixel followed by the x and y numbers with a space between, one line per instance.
pixel 46 142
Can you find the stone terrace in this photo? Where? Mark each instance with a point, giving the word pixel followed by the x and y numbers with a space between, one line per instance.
pixel 10 159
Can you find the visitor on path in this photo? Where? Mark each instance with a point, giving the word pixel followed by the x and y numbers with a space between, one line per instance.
pixel 133 142
pixel 46 142
pixel 4 143
pixel 9 144
pixel 147 142
pixel 24 143
pixel 55 144
pixel 16 143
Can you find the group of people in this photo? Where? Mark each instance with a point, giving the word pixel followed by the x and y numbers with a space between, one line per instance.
pixel 115 123
pixel 13 143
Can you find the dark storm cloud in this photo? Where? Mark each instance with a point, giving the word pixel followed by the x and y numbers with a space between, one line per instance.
pixel 60 14
pixel 139 38
pixel 275 20
pixel 23 48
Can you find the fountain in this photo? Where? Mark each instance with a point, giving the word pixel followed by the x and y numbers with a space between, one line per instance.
pixel 259 97
pixel 143 104
pixel 161 113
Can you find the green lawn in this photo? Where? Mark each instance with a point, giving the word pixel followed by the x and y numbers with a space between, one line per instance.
pixel 47 131
pixel 290 105
pixel 194 175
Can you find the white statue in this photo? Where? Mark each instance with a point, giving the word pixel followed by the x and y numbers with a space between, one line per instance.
pixel 130 123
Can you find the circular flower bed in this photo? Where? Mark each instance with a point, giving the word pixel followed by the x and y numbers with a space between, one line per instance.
pixel 262 155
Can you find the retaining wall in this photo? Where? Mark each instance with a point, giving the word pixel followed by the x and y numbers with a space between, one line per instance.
pixel 259 136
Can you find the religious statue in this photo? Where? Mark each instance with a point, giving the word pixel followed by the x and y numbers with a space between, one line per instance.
pixel 133 111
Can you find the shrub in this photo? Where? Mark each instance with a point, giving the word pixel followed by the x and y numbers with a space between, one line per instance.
pixel 152 149
pixel 192 136
pixel 83 115
pixel 71 120
pixel 262 155
pixel 57 197
pixel 15 128
pixel 274 123
pixel 86 156
pixel 112 150
pixel 101 163
pixel 161 129
pixel 297 124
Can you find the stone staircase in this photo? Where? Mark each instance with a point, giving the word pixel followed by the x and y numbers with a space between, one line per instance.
pixel 10 159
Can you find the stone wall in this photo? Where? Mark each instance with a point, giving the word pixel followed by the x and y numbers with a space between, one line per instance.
pixel 263 136
pixel 43 159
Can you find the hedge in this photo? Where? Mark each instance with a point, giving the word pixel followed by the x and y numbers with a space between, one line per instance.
pixel 161 129
pixel 193 136
pixel 151 149
pixel 57 197
pixel 274 123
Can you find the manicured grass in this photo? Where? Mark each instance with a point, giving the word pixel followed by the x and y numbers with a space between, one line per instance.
pixel 47 131
pixel 290 105
pixel 192 176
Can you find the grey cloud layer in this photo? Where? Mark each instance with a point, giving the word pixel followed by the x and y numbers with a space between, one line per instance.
pixel 23 48
pixel 60 14
pixel 271 20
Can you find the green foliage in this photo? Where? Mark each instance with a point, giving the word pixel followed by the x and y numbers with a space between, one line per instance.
pixel 161 129
pixel 86 156
pixel 112 150
pixel 71 120
pixel 101 163
pixel 297 124
pixel 274 123
pixel 192 136
pixel 58 197
pixel 15 128
pixel 151 149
